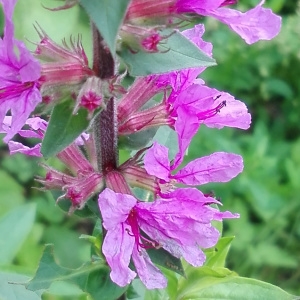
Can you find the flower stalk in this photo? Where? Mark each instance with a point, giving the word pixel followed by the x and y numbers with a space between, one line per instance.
pixel 105 123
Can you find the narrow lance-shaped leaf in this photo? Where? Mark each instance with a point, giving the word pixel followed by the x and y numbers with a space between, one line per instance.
pixel 108 16
pixel 63 128
pixel 175 54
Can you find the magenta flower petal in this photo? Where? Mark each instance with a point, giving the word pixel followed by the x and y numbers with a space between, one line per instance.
pixel 256 24
pixel 114 213
pixel 193 194
pixel 15 147
pixel 175 228
pixel 217 167
pixel 233 114
pixel 37 127
pixel 19 91
pixel 21 108
pixel 181 224
pixel 186 126
pixel 188 5
pixel 149 274
pixel 120 243
pixel 213 108
pixel 37 124
pixel 157 162
pixel 117 248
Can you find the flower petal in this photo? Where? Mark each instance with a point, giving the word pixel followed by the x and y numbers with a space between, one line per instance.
pixel 234 114
pixel 217 167
pixel 256 24
pixel 157 162
pixel 117 248
pixel 112 212
pixel 186 126
pixel 149 274
pixel 15 147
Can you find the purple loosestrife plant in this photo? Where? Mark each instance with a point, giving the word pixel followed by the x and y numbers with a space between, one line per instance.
pixel 153 217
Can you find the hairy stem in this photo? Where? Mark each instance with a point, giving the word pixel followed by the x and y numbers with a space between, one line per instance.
pixel 105 123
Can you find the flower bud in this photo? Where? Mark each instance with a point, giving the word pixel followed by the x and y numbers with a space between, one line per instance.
pixel 141 38
pixel 91 95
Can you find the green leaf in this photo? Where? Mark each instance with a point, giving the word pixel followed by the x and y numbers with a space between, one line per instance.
pixel 63 128
pixel 167 137
pixel 218 256
pixel 92 277
pixel 15 226
pixel 100 286
pixel 11 287
pixel 177 53
pixel 131 293
pixel 61 290
pixel 156 294
pixel 172 283
pixel 108 17
pixel 166 260
pixel 236 288
pixel 137 140
pixel 200 277
pixel 49 272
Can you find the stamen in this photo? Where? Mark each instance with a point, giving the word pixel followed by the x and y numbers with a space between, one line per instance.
pixel 140 241
pixel 15 90
pixel 211 112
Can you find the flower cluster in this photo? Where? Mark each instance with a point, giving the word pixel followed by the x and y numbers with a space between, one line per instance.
pixel 176 215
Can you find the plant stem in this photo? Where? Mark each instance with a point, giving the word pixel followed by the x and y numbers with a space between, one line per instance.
pixel 105 123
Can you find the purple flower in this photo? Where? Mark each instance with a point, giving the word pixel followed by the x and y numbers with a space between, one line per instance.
pixel 256 24
pixel 182 79
pixel 83 181
pixel 199 104
pixel 37 127
pixel 189 104
pixel 180 224
pixel 217 167
pixel 19 90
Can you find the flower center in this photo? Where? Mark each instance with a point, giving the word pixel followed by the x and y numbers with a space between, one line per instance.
pixel 140 241
pixel 15 90
pixel 211 112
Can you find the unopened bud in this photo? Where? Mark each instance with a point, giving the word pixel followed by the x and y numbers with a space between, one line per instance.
pixel 91 95
pixel 141 38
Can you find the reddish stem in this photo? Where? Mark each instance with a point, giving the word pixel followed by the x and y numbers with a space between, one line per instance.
pixel 105 123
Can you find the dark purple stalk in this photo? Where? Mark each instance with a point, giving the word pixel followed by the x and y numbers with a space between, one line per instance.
pixel 105 123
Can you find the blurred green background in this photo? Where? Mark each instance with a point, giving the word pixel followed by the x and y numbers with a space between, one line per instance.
pixel 266 76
